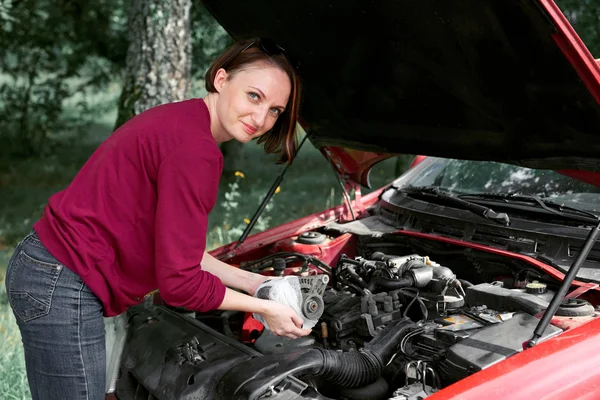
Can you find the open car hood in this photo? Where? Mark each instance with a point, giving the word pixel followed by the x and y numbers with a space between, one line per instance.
pixel 507 81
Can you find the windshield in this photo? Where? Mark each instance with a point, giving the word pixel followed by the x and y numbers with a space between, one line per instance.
pixel 465 177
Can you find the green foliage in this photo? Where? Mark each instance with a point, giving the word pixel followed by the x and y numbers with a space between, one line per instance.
pixel 13 379
pixel 584 15
pixel 5 18
pixel 51 50
pixel 209 39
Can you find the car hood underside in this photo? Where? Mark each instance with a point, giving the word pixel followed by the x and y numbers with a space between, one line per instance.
pixel 506 81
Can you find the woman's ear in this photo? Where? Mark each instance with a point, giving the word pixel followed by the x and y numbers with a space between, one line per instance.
pixel 220 79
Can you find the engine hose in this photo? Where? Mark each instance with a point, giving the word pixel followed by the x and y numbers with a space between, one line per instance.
pixel 390 284
pixel 350 369
pixel 225 315
pixel 377 390
pixel 351 285
pixel 465 284
pixel 248 380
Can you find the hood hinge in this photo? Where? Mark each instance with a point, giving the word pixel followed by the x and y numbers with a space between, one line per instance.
pixel 353 208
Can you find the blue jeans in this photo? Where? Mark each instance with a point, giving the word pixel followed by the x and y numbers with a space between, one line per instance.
pixel 61 324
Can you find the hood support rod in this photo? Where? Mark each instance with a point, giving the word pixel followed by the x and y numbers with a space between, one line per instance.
pixel 562 291
pixel 267 198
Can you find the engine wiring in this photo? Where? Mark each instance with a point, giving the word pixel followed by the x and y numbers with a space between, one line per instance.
pixel 406 339
pixel 527 272
pixel 415 298
pixel 266 262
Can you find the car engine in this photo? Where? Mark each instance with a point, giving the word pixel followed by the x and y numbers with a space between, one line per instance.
pixel 390 326
pixel 445 319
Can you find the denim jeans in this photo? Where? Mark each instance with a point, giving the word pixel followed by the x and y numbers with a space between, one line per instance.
pixel 61 324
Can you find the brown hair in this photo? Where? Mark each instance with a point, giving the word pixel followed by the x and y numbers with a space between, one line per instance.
pixel 282 137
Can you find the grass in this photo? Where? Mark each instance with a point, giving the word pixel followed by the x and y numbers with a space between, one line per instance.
pixel 13 379
pixel 308 186
pixel 26 184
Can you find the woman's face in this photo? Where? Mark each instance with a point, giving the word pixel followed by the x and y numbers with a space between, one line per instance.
pixel 250 101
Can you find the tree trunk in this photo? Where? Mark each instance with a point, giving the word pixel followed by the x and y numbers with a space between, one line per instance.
pixel 158 57
pixel 157 71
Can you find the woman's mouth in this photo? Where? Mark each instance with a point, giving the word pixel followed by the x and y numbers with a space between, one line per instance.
pixel 249 129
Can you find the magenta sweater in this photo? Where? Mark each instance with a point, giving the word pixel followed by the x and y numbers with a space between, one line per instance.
pixel 135 217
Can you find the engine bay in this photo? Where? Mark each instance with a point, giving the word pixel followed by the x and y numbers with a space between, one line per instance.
pixel 396 318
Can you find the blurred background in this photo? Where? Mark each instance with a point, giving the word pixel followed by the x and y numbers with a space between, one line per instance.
pixel 71 71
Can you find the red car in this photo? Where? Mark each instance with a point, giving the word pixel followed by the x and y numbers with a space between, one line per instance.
pixel 473 275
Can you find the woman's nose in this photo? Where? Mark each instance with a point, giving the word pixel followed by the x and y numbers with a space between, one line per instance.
pixel 259 118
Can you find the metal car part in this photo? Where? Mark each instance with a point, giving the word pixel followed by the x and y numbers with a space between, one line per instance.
pixel 313 288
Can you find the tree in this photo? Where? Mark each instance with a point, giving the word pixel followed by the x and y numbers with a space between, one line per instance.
pixel 209 39
pixel 158 62
pixel 52 49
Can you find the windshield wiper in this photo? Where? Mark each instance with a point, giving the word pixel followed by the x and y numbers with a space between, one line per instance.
pixel 566 212
pixel 548 205
pixel 439 194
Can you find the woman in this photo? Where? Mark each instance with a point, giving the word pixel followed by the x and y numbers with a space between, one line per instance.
pixel 135 219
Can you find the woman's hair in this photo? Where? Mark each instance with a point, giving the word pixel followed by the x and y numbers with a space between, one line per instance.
pixel 282 137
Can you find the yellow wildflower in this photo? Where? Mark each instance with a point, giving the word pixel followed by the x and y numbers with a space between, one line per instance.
pixel 278 189
pixel 226 227
pixel 240 174
pixel 246 220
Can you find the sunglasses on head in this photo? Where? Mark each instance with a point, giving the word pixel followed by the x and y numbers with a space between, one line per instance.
pixel 270 48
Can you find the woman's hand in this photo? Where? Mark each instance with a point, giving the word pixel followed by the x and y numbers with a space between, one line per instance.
pixel 283 320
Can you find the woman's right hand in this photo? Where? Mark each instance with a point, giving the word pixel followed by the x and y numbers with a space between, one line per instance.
pixel 283 320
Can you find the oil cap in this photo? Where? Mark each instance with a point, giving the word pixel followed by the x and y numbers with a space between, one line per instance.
pixel 536 287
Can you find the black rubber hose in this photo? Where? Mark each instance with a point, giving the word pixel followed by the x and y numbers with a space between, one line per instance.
pixel 225 315
pixel 390 284
pixel 465 284
pixel 351 285
pixel 352 369
pixel 377 390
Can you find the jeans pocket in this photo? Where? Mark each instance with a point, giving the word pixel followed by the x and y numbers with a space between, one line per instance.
pixel 30 282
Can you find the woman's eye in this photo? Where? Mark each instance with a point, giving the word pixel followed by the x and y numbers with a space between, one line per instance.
pixel 253 96
pixel 275 111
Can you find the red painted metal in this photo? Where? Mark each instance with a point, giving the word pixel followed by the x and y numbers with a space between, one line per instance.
pixel 581 290
pixel 584 64
pixel 353 163
pixel 593 178
pixel 318 220
pixel 329 251
pixel 564 367
pixel 417 161
pixel 250 329
pixel 574 49
pixel 356 208
pixel 566 323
